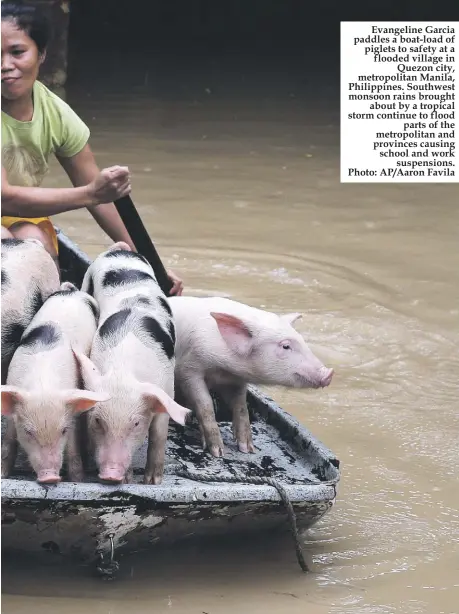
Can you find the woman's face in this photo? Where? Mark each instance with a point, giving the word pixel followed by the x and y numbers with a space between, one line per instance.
pixel 20 61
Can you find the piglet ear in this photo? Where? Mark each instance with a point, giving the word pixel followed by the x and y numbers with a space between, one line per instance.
pixel 235 332
pixel 67 286
pixel 89 372
pixel 161 403
pixel 10 397
pixel 291 318
pixel 82 400
pixel 117 247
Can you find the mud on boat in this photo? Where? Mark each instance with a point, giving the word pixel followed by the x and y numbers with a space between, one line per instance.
pixel 85 520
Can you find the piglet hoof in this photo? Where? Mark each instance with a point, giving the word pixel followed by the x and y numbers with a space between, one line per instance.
pixel 9 450
pixel 242 433
pixel 213 444
pixel 155 480
pixel 217 449
pixel 7 465
pixel 8 459
pixel 246 447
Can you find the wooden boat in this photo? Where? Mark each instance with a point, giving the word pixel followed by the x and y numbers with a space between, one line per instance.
pixel 86 520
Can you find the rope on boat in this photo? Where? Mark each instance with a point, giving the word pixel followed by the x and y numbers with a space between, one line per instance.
pixel 184 473
pixel 108 569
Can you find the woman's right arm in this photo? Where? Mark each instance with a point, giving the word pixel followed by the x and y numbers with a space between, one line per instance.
pixel 111 184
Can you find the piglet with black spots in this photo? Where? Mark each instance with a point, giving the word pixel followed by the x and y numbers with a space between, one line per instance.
pixel 132 360
pixel 41 397
pixel 29 276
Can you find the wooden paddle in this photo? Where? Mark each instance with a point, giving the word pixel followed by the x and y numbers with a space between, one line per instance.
pixel 141 239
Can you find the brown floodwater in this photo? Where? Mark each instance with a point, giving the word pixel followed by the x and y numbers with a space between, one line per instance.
pixel 242 198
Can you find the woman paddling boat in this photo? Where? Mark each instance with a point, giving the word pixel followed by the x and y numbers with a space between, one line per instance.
pixel 35 124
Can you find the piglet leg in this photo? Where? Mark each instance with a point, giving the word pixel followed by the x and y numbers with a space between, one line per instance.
pixel 129 477
pixel 9 449
pixel 236 399
pixel 157 438
pixel 74 461
pixel 198 399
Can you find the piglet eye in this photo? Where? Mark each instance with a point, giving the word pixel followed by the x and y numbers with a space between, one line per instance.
pixel 137 423
pixel 286 345
pixel 64 430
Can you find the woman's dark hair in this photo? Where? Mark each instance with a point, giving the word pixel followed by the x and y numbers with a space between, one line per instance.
pixel 29 19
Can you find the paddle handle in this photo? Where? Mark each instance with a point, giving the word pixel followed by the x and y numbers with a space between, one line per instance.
pixel 141 239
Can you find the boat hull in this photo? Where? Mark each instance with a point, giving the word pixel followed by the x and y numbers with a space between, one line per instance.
pixel 82 530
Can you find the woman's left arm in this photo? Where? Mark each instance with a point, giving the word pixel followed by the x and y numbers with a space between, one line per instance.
pixel 82 169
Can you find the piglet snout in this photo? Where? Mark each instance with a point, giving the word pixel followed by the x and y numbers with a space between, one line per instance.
pixel 113 474
pixel 327 375
pixel 48 477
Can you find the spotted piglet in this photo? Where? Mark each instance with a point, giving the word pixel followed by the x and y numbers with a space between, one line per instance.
pixel 41 396
pixel 29 276
pixel 132 360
